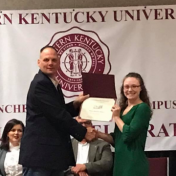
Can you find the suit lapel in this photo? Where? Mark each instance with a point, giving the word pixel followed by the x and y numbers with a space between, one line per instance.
pixel 2 158
pixel 92 151
pixel 49 80
pixel 75 148
pixel 58 90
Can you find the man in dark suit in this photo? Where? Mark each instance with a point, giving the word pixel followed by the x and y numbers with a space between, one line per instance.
pixel 92 158
pixel 46 148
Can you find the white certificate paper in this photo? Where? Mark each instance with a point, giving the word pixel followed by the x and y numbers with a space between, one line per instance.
pixel 98 109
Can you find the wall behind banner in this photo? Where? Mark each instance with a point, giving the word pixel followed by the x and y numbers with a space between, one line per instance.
pixel 53 4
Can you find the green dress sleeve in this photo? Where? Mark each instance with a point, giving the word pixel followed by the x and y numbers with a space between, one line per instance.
pixel 139 122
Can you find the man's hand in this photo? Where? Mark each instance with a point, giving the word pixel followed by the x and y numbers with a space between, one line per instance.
pixel 78 168
pixel 90 135
pixel 79 120
pixel 83 174
pixel 78 101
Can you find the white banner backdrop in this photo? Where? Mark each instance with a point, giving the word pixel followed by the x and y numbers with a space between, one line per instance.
pixel 101 40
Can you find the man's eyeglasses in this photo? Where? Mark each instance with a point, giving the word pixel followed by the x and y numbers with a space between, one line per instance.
pixel 126 87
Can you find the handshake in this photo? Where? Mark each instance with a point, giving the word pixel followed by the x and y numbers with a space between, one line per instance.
pixel 91 134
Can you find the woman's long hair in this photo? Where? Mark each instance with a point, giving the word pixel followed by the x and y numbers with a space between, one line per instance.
pixel 143 94
pixel 9 125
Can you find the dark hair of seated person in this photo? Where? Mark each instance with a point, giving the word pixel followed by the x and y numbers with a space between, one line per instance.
pixel 9 125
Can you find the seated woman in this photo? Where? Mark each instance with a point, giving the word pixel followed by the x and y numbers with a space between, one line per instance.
pixel 10 147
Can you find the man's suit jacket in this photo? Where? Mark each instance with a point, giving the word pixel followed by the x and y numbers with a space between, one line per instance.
pixel 46 140
pixel 2 159
pixel 100 157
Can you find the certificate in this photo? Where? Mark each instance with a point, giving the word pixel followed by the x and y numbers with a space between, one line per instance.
pixel 101 89
pixel 99 85
pixel 98 109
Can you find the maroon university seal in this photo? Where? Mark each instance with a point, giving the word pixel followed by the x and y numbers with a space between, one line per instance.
pixel 79 51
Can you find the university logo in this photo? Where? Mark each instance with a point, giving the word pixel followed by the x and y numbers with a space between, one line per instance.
pixel 79 51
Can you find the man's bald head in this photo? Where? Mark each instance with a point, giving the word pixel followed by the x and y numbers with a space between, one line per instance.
pixel 49 61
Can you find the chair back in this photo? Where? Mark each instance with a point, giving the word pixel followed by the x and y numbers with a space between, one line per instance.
pixel 158 166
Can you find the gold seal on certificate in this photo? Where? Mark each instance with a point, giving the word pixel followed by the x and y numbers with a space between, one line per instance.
pixel 101 89
pixel 98 109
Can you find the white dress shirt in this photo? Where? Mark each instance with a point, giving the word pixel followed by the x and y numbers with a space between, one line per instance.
pixel 11 166
pixel 54 82
pixel 83 153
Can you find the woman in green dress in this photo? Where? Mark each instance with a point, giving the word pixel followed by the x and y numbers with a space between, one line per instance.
pixel 131 118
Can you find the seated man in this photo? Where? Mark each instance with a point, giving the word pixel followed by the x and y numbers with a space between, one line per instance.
pixel 92 159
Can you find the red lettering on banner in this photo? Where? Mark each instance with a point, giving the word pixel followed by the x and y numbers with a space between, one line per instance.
pixel 115 16
pixel 103 128
pixel 66 17
pixel 7 109
pixel 76 17
pixel 1 109
pixel 103 16
pixel 164 104
pixel 20 108
pixel 90 17
pixel 145 13
pixel 4 18
pixel 158 14
pixel 174 127
pixel 62 42
pixel 160 103
pixel 44 16
pixel 16 108
pixel 56 17
pixel 163 131
pixel 150 130
pixel 138 14
pixel 106 128
pixel 169 13
pixel 23 19
pixel 128 14
pixel 23 108
pixel 34 18
pixel 174 103
pixel 66 85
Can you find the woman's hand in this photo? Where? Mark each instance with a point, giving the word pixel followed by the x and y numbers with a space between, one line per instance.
pixel 116 111
pixel 116 116
pixel 106 137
